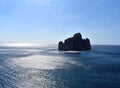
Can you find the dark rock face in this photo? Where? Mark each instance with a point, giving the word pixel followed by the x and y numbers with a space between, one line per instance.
pixel 75 43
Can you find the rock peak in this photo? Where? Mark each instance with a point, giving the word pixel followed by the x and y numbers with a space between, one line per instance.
pixel 78 35
pixel 75 43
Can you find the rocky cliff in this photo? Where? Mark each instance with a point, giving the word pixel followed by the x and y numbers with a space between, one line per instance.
pixel 75 43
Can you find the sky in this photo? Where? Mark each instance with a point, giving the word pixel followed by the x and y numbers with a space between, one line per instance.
pixel 49 21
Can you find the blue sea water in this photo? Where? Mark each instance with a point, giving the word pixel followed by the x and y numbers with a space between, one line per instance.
pixel 46 67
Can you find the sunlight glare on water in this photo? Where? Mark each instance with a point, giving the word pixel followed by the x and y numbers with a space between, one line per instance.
pixel 44 62
pixel 22 44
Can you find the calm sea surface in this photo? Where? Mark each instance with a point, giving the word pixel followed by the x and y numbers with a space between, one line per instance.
pixel 46 67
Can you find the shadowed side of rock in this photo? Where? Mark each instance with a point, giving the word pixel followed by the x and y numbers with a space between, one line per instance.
pixel 75 43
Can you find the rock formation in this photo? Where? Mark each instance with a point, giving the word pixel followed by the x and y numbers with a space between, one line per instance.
pixel 75 43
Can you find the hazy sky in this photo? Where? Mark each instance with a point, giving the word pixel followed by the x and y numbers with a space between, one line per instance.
pixel 48 21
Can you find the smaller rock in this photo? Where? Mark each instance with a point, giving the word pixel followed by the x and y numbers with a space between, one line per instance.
pixel 60 45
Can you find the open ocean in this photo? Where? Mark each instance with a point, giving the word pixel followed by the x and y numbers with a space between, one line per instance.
pixel 46 67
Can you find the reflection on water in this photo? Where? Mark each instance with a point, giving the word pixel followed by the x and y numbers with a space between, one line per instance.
pixel 45 67
pixel 44 62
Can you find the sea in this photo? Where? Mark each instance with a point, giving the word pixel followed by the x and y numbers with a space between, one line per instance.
pixel 45 67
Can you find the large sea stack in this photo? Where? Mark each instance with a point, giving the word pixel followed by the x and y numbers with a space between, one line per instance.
pixel 75 43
